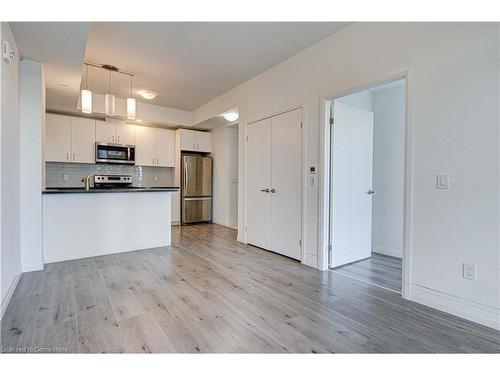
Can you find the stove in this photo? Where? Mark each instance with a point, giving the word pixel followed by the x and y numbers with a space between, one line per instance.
pixel 112 181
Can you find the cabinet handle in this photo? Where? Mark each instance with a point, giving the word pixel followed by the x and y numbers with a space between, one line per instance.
pixel 112 138
pixel 73 156
pixel 197 146
pixel 118 139
pixel 153 161
pixel 194 146
pixel 67 156
pixel 157 161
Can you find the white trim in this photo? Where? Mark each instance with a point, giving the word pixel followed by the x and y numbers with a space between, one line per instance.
pixel 32 267
pixel 10 292
pixel 408 75
pixel 311 261
pixel 277 113
pixel 384 250
pixel 488 316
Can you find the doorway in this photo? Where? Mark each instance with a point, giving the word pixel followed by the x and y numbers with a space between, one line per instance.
pixel 367 182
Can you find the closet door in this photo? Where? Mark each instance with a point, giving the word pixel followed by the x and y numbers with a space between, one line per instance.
pixel 286 192
pixel 258 180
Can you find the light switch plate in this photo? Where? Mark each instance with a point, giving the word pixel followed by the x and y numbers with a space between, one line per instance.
pixel 66 177
pixel 442 181
pixel 469 271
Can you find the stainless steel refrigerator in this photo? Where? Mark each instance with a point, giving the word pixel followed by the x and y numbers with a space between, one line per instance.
pixel 196 188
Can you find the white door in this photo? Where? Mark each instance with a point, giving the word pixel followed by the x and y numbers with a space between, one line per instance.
pixel 188 140
pixel 352 160
pixel 259 184
pixel 82 140
pixel 204 142
pixel 145 146
pixel 105 132
pixel 57 138
pixel 286 192
pixel 125 134
pixel 164 147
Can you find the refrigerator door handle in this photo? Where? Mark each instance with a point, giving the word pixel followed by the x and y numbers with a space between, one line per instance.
pixel 198 199
pixel 185 175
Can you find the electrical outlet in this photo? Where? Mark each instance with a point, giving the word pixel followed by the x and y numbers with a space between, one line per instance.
pixel 469 271
pixel 156 178
pixel 66 177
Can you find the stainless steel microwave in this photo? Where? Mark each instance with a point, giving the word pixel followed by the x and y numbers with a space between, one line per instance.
pixel 114 154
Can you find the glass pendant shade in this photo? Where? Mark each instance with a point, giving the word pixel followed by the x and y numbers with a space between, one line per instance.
pixel 86 96
pixel 110 105
pixel 131 108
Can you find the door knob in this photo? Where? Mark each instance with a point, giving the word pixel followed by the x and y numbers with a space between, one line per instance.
pixel 265 190
pixel 370 192
pixel 273 190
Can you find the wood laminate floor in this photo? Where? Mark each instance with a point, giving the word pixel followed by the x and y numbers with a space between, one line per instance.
pixel 209 293
pixel 381 270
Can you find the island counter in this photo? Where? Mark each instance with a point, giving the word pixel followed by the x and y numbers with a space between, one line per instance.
pixel 80 224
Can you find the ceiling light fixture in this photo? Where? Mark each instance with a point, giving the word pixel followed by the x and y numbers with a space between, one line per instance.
pixel 148 94
pixel 86 94
pixel 110 100
pixel 231 116
pixel 131 104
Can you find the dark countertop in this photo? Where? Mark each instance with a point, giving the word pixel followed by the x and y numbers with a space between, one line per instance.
pixel 72 190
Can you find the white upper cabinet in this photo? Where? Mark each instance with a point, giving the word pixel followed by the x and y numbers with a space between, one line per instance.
pixel 115 131
pixel 164 147
pixel 192 140
pixel 57 138
pixel 105 132
pixel 82 140
pixel 145 153
pixel 154 147
pixel 125 134
pixel 69 139
pixel 204 141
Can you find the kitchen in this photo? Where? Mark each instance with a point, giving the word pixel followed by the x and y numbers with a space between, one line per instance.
pixel 137 164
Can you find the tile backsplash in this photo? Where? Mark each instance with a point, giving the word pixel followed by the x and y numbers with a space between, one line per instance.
pixel 70 174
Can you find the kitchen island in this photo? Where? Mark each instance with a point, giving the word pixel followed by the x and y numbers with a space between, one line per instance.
pixel 79 223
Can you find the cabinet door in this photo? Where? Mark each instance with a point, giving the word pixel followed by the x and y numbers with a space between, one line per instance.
pixel 105 132
pixel 164 147
pixel 125 134
pixel 188 140
pixel 203 142
pixel 176 207
pixel 57 138
pixel 82 140
pixel 286 167
pixel 145 146
pixel 258 184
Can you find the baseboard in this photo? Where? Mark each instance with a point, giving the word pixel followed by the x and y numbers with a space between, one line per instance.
pixel 32 267
pixel 397 253
pixel 469 310
pixel 10 292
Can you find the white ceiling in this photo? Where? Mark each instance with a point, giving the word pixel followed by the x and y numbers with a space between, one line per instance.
pixel 61 47
pixel 188 64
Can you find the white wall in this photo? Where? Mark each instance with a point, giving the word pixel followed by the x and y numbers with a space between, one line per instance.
pixel 388 171
pixel 10 183
pixel 225 182
pixel 456 119
pixel 32 124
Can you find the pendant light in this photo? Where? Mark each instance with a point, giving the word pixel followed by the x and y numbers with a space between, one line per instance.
pixel 131 104
pixel 110 100
pixel 86 94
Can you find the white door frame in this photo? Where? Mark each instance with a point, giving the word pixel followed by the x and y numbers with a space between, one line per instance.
pixel 324 215
pixel 303 249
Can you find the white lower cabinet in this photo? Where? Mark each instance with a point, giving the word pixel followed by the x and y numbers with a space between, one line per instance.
pixel 69 139
pixel 154 147
pixel 274 184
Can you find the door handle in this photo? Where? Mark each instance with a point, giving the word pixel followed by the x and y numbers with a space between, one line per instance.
pixel 273 190
pixel 370 192
pixel 265 190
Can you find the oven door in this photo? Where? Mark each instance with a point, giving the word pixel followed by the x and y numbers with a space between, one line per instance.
pixel 114 154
